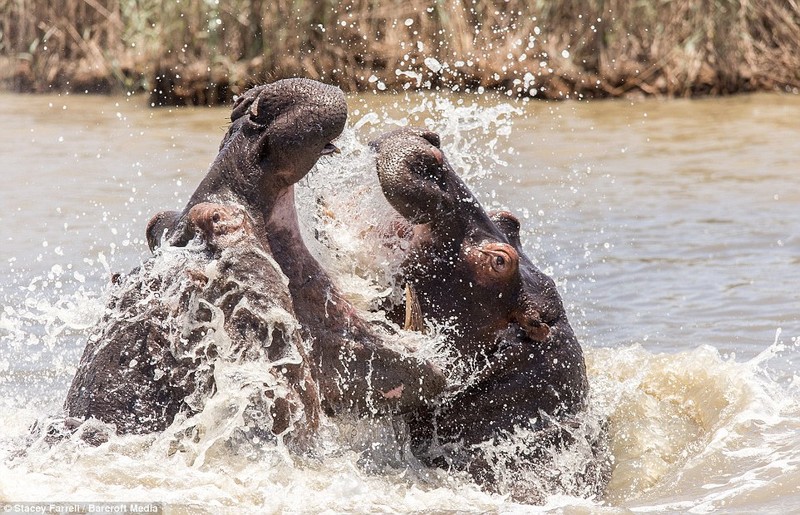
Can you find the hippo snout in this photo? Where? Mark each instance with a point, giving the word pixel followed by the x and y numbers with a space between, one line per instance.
pixel 295 115
pixel 414 174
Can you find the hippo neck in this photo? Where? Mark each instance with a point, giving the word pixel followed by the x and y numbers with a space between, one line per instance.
pixel 285 239
pixel 316 298
pixel 238 174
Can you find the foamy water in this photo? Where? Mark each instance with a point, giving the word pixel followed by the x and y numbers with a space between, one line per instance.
pixel 670 228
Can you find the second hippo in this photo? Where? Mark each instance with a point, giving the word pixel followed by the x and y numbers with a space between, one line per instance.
pixel 465 269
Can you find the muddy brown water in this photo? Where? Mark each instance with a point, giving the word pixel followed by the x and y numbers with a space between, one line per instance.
pixel 671 227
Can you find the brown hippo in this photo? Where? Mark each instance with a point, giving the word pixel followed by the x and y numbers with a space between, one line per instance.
pixel 135 372
pixel 466 269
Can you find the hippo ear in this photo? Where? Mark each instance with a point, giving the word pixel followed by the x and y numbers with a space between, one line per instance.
pixel 162 223
pixel 508 225
pixel 533 326
pixel 244 102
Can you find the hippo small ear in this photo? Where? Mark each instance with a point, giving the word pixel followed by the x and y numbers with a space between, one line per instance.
pixel 244 102
pixel 161 222
pixel 240 107
pixel 508 224
pixel 534 328
pixel 432 138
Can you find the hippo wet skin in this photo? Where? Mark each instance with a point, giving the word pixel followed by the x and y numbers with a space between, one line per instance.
pixel 467 269
pixel 277 134
pixel 171 322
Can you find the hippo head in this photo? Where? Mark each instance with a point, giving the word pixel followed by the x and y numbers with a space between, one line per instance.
pixel 278 132
pixel 465 265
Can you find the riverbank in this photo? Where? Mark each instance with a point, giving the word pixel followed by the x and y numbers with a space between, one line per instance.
pixel 204 52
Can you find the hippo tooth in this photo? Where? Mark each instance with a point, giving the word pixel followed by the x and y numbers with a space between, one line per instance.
pixel 414 319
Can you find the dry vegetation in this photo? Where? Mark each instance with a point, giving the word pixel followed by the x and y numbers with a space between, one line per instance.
pixel 204 51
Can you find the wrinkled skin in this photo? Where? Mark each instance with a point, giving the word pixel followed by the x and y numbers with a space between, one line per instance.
pixel 467 267
pixel 277 133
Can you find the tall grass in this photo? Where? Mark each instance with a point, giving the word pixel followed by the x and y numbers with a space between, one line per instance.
pixel 204 51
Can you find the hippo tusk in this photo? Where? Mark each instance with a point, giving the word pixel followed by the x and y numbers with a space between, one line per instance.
pixel 329 149
pixel 414 319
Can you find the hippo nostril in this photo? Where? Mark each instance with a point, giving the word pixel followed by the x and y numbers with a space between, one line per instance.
pixel 432 138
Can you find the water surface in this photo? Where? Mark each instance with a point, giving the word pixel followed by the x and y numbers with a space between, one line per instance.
pixel 670 227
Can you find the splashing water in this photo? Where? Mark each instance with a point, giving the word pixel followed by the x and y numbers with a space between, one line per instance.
pixel 692 429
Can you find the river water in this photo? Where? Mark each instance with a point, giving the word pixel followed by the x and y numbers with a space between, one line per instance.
pixel 671 228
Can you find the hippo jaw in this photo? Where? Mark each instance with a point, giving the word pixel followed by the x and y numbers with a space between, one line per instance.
pixel 420 184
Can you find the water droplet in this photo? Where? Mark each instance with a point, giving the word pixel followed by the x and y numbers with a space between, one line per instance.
pixel 433 64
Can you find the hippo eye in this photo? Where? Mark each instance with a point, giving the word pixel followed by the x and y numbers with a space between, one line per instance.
pixel 215 217
pixel 503 262
pixel 496 261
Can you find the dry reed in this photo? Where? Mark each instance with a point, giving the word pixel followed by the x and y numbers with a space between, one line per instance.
pixel 204 51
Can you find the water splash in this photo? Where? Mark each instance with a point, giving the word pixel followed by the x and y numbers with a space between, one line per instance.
pixel 689 430
pixel 347 222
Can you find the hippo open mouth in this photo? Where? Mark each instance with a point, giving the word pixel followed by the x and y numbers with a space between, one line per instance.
pixel 244 214
pixel 329 149
pixel 277 134
pixel 468 266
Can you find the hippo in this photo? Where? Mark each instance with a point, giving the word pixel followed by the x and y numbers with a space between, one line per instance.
pixel 174 323
pixel 138 371
pixel 465 269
